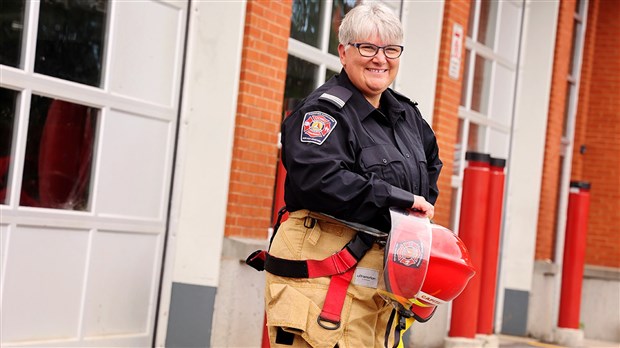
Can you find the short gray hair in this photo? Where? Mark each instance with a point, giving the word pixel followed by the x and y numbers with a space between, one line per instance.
pixel 367 19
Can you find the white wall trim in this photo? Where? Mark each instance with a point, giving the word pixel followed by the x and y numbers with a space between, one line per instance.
pixel 417 78
pixel 204 153
pixel 525 163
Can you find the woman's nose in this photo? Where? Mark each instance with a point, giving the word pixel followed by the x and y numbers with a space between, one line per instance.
pixel 380 56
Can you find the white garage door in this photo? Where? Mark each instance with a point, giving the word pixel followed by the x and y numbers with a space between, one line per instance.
pixel 89 96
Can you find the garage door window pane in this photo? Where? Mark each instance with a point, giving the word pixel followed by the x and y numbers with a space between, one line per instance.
pixel 59 153
pixel 339 9
pixel 8 101
pixel 476 138
pixel 306 21
pixel 458 149
pixel 70 40
pixel 487 22
pixel 464 85
pixel 481 85
pixel 300 81
pixel 11 29
pixel 329 74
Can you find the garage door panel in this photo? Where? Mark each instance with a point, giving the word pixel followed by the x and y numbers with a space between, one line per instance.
pixel 88 274
pixel 120 283
pixel 145 50
pixel 43 283
pixel 134 166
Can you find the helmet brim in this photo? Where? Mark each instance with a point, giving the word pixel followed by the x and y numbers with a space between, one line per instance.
pixel 422 314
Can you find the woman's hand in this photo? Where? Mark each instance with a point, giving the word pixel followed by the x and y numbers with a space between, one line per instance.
pixel 422 208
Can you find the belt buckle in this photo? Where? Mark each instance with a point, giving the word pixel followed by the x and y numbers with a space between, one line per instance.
pixel 309 222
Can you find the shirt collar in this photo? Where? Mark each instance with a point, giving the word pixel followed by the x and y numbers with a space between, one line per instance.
pixel 392 105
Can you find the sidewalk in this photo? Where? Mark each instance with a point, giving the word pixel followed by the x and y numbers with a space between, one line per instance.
pixel 524 342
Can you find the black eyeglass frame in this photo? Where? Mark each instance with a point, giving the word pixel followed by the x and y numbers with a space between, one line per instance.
pixel 377 48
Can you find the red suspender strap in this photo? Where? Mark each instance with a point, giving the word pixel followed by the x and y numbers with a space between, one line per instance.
pixel 334 300
pixel 338 263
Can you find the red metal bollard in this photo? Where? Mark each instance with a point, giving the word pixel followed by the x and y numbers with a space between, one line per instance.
pixel 471 231
pixel 488 273
pixel 574 254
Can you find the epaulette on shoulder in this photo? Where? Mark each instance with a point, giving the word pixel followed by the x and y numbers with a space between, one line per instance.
pixel 337 95
pixel 404 97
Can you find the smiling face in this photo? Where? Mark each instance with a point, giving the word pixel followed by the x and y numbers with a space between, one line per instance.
pixel 372 76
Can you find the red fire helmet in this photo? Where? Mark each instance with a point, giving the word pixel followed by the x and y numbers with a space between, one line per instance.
pixel 425 265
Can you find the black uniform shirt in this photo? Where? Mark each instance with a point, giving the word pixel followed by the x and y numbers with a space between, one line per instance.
pixel 350 160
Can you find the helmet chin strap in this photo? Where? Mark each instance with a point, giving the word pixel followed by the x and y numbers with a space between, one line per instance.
pixel 402 325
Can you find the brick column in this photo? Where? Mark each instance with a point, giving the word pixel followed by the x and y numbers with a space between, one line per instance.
pixel 447 100
pixel 547 214
pixel 259 113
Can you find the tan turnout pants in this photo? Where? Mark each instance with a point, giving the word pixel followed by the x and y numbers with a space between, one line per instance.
pixel 293 305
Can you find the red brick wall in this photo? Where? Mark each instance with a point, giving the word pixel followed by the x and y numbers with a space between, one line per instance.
pixel 547 214
pixel 598 129
pixel 448 96
pixel 259 108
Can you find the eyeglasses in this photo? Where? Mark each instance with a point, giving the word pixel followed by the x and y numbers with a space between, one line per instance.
pixel 369 50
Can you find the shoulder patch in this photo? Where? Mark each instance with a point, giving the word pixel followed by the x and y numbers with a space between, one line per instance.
pixel 337 95
pixel 316 127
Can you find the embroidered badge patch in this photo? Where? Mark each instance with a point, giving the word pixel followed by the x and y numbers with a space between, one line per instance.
pixel 409 253
pixel 316 127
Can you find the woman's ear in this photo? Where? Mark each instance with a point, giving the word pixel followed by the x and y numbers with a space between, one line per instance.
pixel 342 53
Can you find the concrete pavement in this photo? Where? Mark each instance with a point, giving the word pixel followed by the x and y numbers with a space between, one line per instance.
pixel 526 342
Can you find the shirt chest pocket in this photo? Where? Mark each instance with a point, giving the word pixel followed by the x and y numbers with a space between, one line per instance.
pixel 386 162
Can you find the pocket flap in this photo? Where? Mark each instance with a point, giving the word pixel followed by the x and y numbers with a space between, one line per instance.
pixel 294 311
pixel 288 307
pixel 379 155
